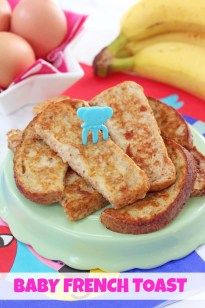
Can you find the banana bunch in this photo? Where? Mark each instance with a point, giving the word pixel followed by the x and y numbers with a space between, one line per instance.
pixel 163 40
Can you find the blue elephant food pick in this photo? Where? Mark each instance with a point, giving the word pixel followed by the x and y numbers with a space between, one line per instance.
pixel 94 119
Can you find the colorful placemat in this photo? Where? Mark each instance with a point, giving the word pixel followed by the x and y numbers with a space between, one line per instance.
pixel 18 257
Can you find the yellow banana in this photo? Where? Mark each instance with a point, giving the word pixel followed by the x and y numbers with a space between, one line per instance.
pixel 147 21
pixel 151 17
pixel 175 63
pixel 132 47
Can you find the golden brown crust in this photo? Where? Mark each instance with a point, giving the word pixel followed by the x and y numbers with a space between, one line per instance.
pixel 134 129
pixel 171 123
pixel 173 126
pixel 38 108
pixel 42 198
pixel 160 186
pixel 39 173
pixel 199 185
pixel 158 209
pixel 79 198
pixel 104 165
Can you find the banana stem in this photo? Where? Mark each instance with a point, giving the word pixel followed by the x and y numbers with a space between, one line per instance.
pixel 123 53
pixel 122 64
pixel 117 44
pixel 104 64
pixel 103 61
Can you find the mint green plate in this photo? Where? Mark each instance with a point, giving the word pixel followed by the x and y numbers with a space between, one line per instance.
pixel 87 244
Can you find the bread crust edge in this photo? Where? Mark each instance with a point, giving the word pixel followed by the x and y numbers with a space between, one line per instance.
pixel 156 223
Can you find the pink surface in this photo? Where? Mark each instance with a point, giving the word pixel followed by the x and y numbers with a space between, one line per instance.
pixel 2 223
pixel 56 265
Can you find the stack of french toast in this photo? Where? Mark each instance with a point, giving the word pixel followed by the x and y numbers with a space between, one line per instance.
pixel 146 170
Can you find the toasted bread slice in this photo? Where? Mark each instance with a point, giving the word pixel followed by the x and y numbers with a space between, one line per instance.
pixel 199 184
pixel 39 173
pixel 173 126
pixel 171 123
pixel 14 138
pixel 104 165
pixel 157 209
pixel 38 108
pixel 134 129
pixel 79 198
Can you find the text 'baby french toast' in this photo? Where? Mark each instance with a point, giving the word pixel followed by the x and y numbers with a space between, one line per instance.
pixel 104 165
pixel 134 129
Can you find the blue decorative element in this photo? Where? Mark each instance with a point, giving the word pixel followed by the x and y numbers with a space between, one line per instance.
pixel 189 119
pixel 26 262
pixel 94 119
pixel 172 100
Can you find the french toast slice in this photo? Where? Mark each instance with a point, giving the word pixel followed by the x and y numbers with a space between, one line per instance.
pixel 134 129
pixel 173 126
pixel 38 108
pixel 157 209
pixel 171 123
pixel 79 199
pixel 199 184
pixel 104 165
pixel 39 173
